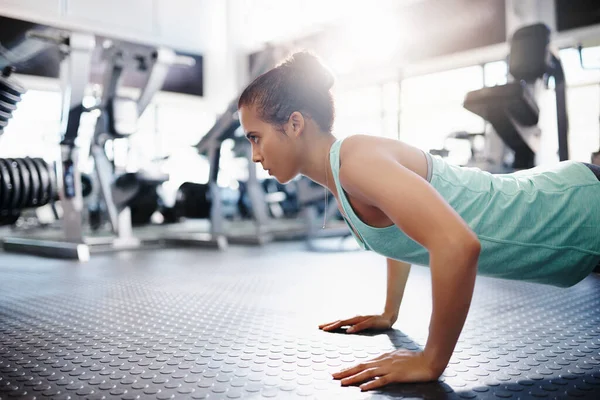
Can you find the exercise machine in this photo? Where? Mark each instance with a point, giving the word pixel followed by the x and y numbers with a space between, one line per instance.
pixel 25 183
pixel 512 110
pixel 10 95
pixel 76 56
pixel 588 64
pixel 118 118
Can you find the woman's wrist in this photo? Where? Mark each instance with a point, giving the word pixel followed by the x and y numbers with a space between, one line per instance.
pixel 391 315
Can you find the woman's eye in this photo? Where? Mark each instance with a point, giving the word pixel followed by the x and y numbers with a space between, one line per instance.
pixel 254 139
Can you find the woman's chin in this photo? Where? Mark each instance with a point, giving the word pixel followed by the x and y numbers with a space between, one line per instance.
pixel 281 179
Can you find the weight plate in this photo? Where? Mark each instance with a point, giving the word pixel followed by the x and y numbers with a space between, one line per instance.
pixel 44 180
pixel 4 116
pixel 36 185
pixel 7 184
pixel 7 107
pixel 9 217
pixel 9 98
pixel 3 124
pixel 13 168
pixel 86 185
pixel 194 200
pixel 52 175
pixel 25 183
pixel 11 87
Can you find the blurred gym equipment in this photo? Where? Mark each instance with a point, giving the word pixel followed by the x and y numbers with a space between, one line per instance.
pixel 10 94
pixel 588 62
pixel 512 110
pixel 125 193
pixel 25 183
pixel 118 118
pixel 76 54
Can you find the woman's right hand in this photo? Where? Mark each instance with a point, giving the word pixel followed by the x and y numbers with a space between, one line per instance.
pixel 361 323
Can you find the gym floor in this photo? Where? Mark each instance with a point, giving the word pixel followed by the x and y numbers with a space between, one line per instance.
pixel 243 323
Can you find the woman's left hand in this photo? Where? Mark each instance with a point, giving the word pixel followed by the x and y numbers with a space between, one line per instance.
pixel 395 367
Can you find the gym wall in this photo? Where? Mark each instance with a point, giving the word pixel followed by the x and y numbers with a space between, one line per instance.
pixel 31 57
pixel 151 22
pixel 196 27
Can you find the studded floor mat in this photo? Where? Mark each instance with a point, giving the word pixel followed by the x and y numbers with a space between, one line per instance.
pixel 200 324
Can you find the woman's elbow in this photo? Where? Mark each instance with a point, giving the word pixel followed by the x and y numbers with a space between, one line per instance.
pixel 456 244
pixel 463 249
pixel 473 247
pixel 468 243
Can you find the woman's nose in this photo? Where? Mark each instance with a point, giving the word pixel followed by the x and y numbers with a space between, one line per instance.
pixel 256 157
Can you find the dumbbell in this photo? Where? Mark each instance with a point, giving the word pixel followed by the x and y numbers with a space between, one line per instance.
pixel 192 201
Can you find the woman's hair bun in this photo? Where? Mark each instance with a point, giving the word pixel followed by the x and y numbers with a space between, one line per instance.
pixel 310 67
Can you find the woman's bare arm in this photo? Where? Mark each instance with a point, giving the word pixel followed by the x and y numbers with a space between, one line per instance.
pixel 422 214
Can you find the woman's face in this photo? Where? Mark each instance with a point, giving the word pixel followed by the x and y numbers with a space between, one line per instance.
pixel 271 147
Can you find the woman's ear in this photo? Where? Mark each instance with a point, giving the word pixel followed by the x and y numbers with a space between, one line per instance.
pixel 296 124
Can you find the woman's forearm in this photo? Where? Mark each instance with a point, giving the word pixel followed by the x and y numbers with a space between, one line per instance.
pixel 453 275
pixel 397 275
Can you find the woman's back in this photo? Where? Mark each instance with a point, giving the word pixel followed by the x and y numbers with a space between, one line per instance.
pixel 540 225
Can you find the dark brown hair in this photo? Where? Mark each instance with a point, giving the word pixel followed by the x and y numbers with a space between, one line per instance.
pixel 301 83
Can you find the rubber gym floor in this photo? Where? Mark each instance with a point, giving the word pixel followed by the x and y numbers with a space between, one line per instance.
pixel 243 323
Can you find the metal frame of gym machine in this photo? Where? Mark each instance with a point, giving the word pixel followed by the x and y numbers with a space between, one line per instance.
pixel 76 57
pixel 225 128
pixel 109 127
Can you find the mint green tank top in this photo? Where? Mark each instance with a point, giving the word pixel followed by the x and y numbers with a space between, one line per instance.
pixel 538 225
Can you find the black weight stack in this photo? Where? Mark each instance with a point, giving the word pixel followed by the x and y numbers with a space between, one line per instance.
pixel 10 94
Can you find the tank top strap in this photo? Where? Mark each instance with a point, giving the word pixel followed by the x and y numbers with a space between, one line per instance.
pixel 347 212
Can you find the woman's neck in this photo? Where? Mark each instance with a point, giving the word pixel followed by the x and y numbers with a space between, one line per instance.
pixel 317 166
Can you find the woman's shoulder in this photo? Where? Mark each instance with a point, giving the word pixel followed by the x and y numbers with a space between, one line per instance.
pixel 365 150
pixel 366 144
